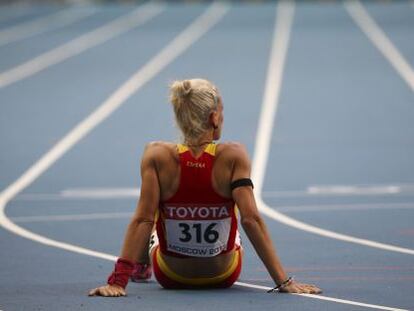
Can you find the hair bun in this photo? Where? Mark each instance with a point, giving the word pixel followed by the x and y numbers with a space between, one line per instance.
pixel 180 92
pixel 186 87
pixel 181 89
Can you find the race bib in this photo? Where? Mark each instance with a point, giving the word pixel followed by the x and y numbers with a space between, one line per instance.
pixel 197 231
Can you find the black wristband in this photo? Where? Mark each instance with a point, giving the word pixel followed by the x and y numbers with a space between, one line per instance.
pixel 280 286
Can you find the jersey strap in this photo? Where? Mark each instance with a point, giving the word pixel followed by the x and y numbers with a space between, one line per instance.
pixel 210 149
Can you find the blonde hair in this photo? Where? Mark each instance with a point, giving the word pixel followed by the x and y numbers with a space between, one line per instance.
pixel 193 101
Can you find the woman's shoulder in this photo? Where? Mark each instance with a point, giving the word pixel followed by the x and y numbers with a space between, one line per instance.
pixel 159 144
pixel 231 146
pixel 232 150
pixel 159 149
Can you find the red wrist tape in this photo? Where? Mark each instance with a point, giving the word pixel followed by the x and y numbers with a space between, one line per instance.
pixel 122 272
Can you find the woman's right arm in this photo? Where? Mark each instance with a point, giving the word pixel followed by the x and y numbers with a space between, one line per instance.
pixel 256 230
pixel 139 230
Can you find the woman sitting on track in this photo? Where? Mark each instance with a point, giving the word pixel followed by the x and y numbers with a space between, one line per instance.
pixel 193 192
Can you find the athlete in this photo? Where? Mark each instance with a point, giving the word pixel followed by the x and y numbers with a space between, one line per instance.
pixel 193 193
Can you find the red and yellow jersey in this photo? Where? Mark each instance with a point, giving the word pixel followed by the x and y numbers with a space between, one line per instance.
pixel 196 221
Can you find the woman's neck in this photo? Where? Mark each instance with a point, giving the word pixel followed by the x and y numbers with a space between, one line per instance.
pixel 198 144
pixel 202 141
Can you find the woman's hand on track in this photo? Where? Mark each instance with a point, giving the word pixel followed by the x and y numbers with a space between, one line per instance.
pixel 108 291
pixel 300 288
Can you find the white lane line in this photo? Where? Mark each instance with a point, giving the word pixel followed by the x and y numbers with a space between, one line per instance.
pixel 133 193
pixel 82 43
pixel 42 24
pixel 264 135
pixel 374 33
pixel 82 194
pixel 344 207
pixel 31 197
pixel 286 209
pixel 281 34
pixel 101 193
pixel 168 54
pixel 71 217
pixel 353 190
pixel 345 190
pixel 321 297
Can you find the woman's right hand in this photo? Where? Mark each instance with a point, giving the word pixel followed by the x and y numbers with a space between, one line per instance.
pixel 300 288
pixel 108 291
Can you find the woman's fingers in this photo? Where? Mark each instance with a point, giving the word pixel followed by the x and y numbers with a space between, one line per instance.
pixel 96 292
pixel 316 290
pixel 300 288
pixel 122 292
pixel 103 291
pixel 116 291
pixel 92 292
pixel 108 291
pixel 312 289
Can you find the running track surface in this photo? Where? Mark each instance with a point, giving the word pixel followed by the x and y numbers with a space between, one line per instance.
pixel 340 151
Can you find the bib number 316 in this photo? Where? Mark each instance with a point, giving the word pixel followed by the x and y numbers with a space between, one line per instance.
pixel 197 238
pixel 208 235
